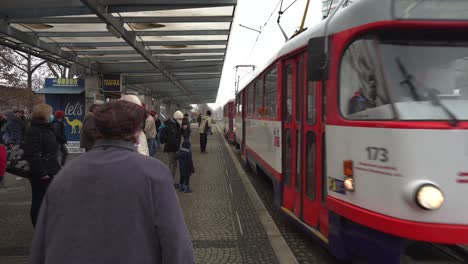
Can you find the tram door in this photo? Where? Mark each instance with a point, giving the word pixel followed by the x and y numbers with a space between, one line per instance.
pixel 291 140
pixel 301 139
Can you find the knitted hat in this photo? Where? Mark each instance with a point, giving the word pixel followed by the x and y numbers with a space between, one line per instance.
pixel 178 115
pixel 132 99
pixel 59 114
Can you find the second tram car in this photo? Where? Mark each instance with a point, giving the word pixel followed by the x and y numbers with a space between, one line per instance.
pixel 362 125
pixel 229 113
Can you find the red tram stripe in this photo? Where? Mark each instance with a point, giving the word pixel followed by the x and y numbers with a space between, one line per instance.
pixel 463 174
pixel 430 232
pixel 462 181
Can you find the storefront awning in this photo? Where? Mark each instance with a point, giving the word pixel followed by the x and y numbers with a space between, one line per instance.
pixel 60 90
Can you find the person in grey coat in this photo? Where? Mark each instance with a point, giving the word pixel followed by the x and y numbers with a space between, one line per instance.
pixel 112 204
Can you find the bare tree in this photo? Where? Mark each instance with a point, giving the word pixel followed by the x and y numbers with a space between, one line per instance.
pixel 21 70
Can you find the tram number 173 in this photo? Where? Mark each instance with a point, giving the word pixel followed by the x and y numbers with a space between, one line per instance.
pixel 376 153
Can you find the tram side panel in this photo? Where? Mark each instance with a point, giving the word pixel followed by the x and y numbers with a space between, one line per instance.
pixel 263 143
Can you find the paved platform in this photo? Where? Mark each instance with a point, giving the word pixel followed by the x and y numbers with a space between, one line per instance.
pixel 223 223
pixel 220 214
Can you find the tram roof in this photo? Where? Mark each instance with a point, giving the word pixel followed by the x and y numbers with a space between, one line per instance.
pixel 368 11
pixel 171 48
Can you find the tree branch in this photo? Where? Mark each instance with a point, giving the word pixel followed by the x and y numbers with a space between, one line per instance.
pixel 54 71
pixel 37 66
pixel 12 63
pixel 21 54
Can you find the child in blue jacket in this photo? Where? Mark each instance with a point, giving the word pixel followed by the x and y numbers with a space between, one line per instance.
pixel 184 156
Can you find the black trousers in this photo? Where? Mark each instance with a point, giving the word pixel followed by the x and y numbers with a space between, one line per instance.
pixel 203 141
pixel 39 189
pixel 63 150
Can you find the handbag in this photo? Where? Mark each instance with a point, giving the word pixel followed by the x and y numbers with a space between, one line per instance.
pixel 16 163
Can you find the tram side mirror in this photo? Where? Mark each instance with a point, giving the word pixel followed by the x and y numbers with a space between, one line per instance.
pixel 317 60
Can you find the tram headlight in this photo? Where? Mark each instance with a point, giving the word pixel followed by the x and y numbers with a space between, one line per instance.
pixel 349 184
pixel 429 197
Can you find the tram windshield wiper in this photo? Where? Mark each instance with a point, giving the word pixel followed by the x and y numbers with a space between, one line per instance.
pixel 408 80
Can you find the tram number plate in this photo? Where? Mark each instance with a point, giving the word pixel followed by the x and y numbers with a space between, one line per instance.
pixel 376 153
pixel 336 185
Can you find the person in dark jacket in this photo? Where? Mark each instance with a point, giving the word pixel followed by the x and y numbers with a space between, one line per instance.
pixel 112 204
pixel 41 151
pixel 89 132
pixel 12 131
pixel 184 156
pixel 186 129
pixel 173 135
pixel 59 129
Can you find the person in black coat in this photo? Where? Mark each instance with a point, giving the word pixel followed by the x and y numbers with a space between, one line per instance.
pixel 41 151
pixel 59 129
pixel 184 156
pixel 172 145
pixel 186 129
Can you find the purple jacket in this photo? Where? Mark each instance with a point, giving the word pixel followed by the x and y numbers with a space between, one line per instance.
pixel 112 205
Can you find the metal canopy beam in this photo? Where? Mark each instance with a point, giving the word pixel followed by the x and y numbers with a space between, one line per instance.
pixel 147 43
pixel 161 58
pixel 156 79
pixel 155 51
pixel 51 48
pixel 138 33
pixel 131 39
pixel 94 20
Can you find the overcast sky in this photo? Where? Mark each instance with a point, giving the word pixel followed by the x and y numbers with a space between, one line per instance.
pixel 242 47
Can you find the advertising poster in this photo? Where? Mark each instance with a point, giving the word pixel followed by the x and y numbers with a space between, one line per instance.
pixel 74 107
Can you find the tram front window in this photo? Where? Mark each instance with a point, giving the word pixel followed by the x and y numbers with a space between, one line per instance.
pixel 425 78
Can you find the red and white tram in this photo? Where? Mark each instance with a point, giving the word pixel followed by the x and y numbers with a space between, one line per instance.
pixel 229 113
pixel 366 140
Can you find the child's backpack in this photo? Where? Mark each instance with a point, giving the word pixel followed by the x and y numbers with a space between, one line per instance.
pixel 162 134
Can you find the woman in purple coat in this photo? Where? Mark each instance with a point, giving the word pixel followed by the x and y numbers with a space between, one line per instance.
pixel 111 204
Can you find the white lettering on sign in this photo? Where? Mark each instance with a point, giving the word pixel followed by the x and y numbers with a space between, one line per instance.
pixel 74 147
pixel 74 110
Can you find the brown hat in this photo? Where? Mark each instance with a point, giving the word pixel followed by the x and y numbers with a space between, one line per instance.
pixel 119 120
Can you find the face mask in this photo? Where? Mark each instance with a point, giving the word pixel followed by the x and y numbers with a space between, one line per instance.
pixel 179 121
pixel 51 118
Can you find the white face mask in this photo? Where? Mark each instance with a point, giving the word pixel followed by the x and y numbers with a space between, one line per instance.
pixel 179 121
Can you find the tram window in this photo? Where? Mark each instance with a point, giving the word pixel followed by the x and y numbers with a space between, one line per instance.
pixel 297 184
pixel 270 93
pixel 311 102
pixel 258 98
pixel 362 91
pixel 287 157
pixel 250 100
pixel 299 88
pixel 310 165
pixel 289 84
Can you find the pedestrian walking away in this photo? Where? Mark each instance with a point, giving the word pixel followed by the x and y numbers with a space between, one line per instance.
pixel 41 151
pixel 172 136
pixel 89 132
pixel 150 133
pixel 142 143
pixel 112 204
pixel 59 130
pixel 186 129
pixel 12 131
pixel 186 168
pixel 205 129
